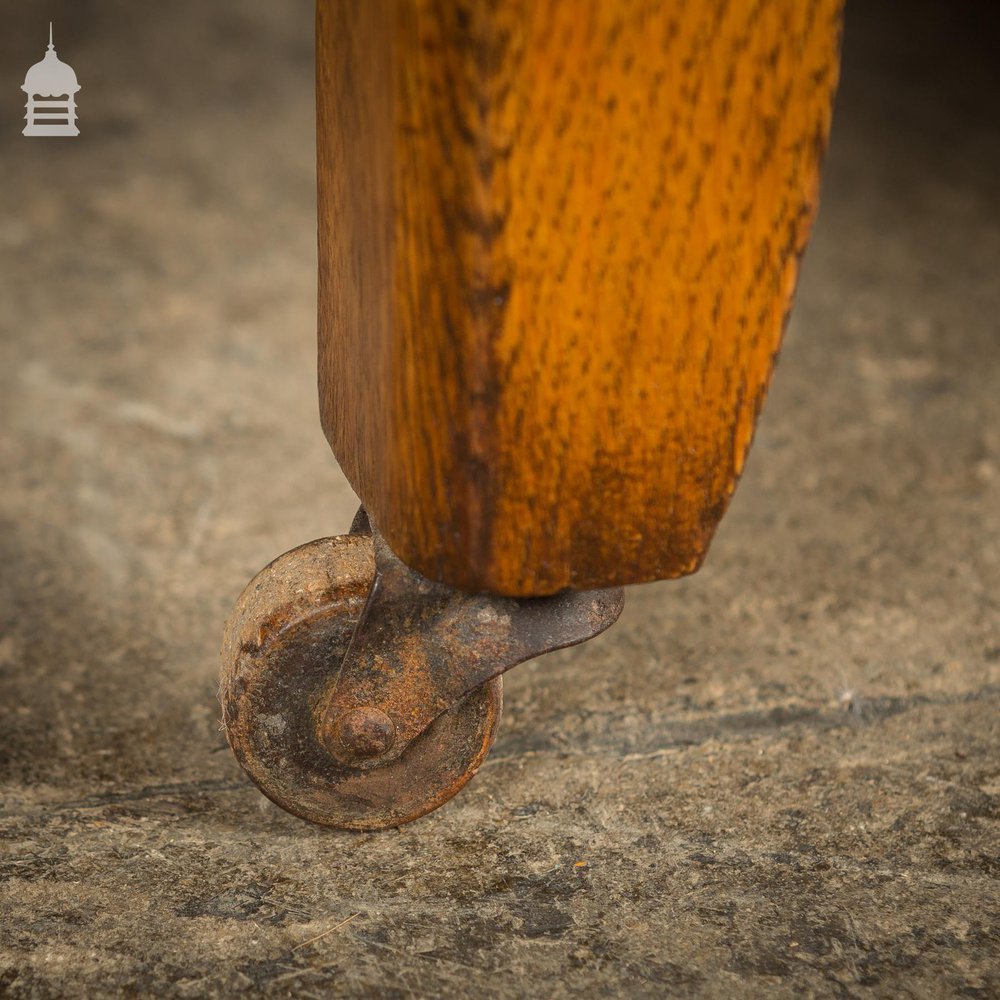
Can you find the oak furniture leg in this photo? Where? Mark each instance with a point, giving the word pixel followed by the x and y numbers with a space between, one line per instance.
pixel 558 244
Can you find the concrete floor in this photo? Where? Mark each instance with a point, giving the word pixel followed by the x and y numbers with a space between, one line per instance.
pixel 777 778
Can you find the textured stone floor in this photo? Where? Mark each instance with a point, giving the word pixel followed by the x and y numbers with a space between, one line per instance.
pixel 777 778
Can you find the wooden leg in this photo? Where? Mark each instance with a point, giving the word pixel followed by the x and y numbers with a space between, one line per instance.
pixel 558 247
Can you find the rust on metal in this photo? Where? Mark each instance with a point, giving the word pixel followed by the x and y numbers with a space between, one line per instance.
pixel 358 694
pixel 283 644
pixel 420 646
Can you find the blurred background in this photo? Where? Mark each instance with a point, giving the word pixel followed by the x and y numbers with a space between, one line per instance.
pixel 780 775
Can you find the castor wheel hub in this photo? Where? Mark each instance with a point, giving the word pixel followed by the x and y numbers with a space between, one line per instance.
pixel 361 734
pixel 358 694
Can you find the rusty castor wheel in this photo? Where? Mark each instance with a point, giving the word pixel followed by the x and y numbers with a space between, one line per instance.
pixel 358 694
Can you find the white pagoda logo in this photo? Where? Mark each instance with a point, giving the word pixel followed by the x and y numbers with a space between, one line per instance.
pixel 51 78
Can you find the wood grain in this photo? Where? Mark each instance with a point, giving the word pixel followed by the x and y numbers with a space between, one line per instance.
pixel 558 246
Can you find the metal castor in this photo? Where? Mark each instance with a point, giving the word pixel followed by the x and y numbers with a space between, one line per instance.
pixel 358 694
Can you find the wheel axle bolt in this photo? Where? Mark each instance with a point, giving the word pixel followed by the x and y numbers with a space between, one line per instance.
pixel 364 732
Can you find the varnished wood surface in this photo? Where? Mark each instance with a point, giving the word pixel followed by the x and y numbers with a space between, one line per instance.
pixel 558 245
